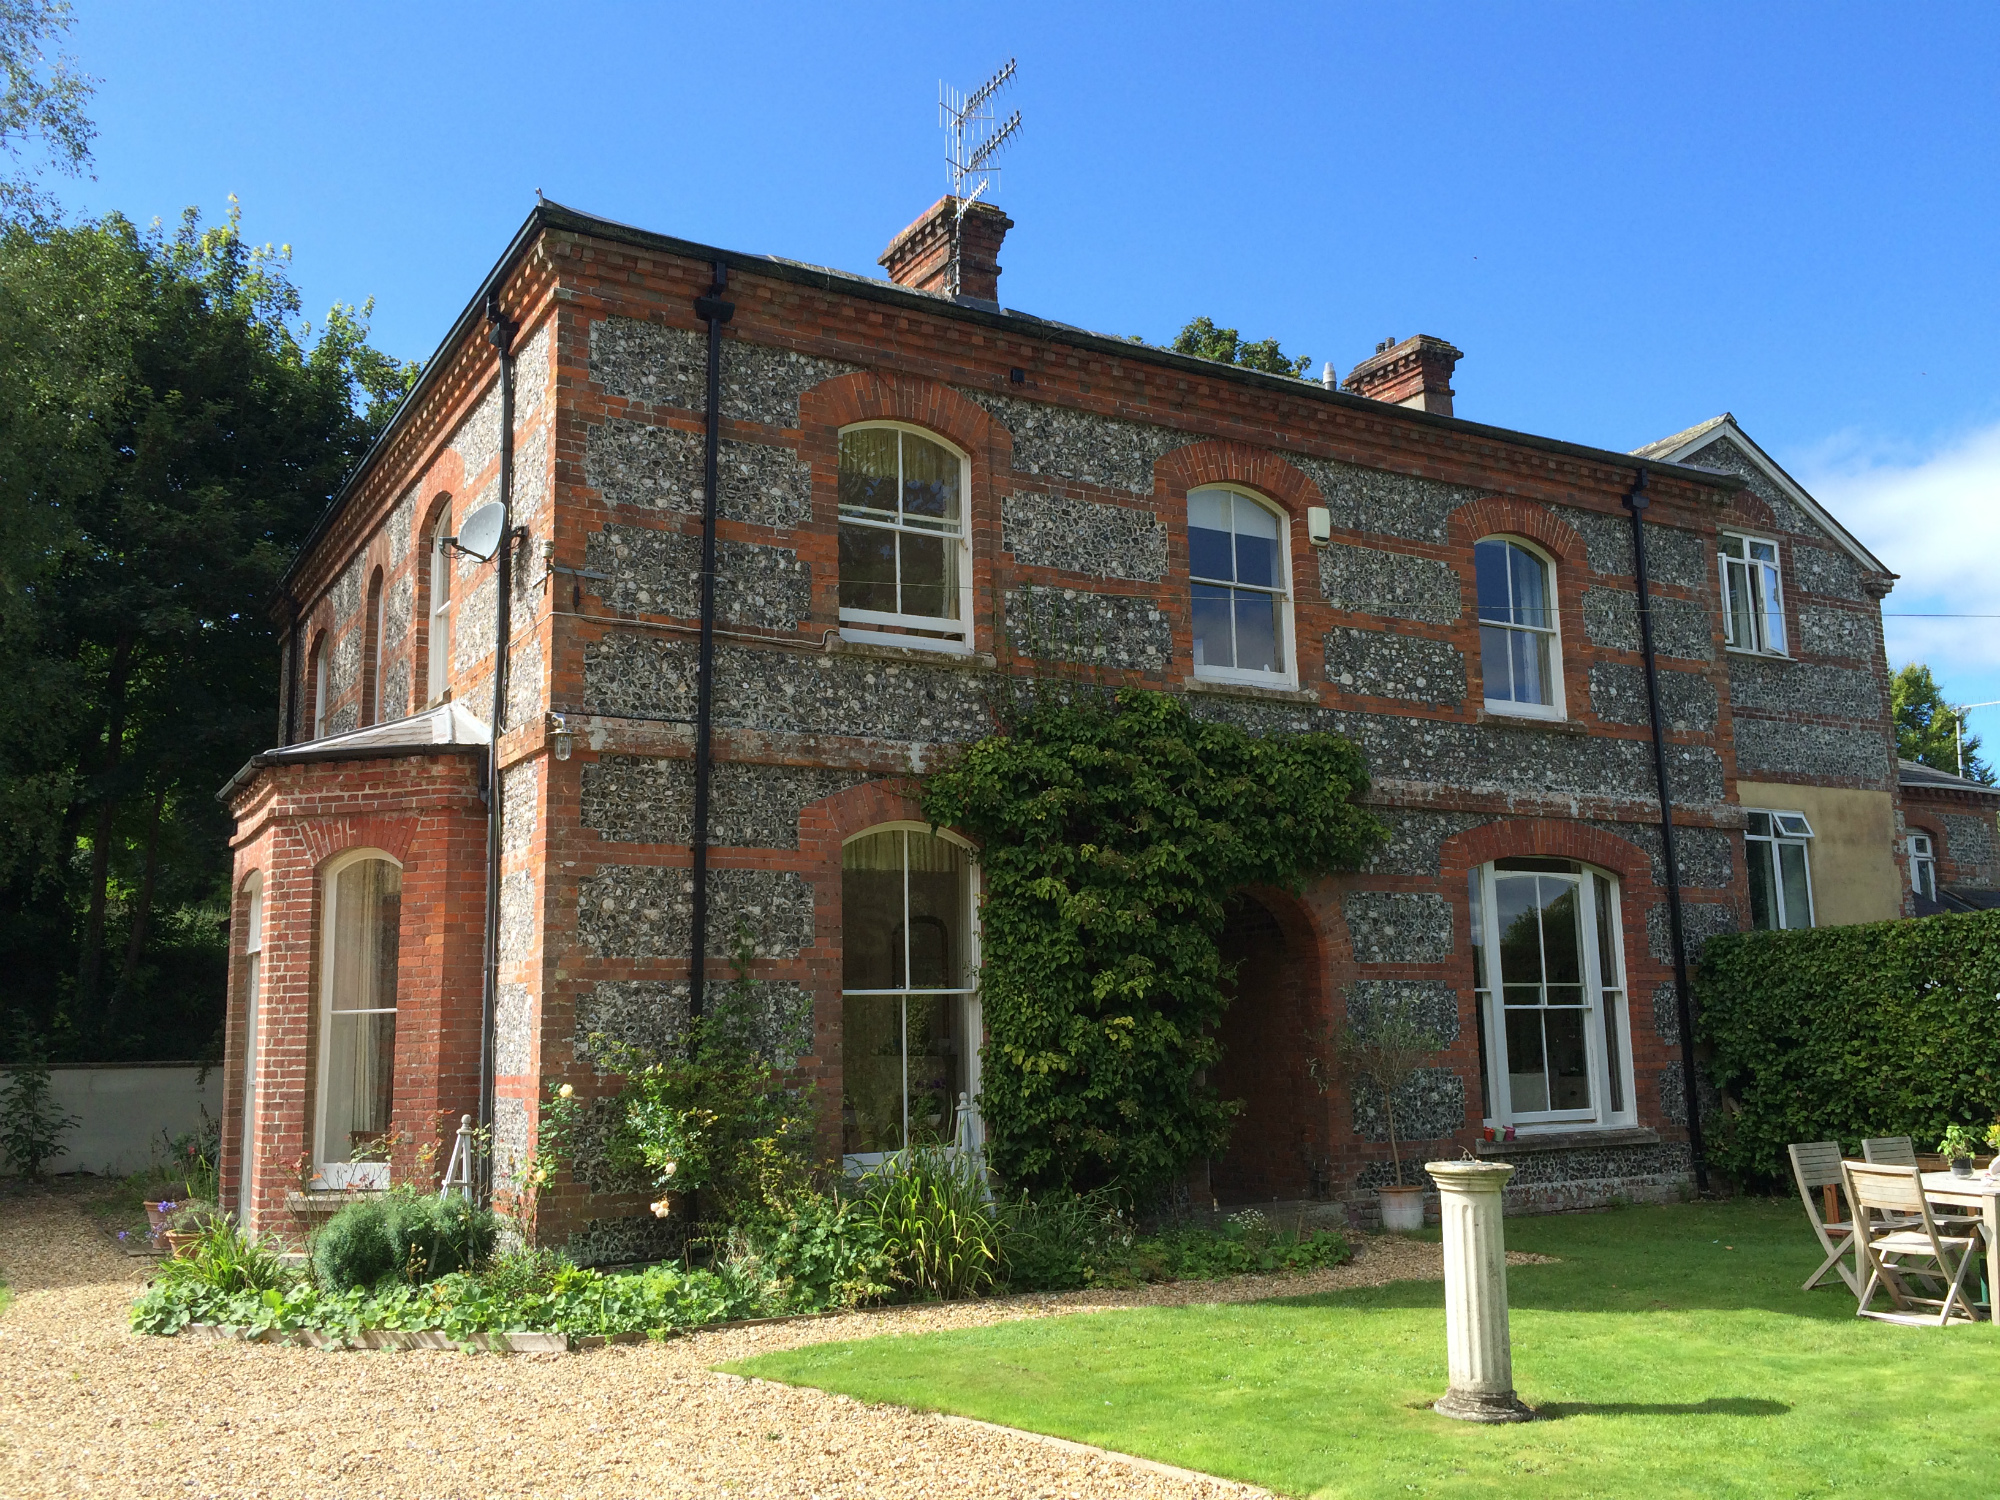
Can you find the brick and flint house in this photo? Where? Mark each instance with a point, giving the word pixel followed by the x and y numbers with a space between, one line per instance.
pixel 912 487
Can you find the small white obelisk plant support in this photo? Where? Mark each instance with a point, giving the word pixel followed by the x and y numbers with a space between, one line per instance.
pixel 1479 1352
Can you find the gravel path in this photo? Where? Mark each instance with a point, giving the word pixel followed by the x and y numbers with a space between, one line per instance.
pixel 88 1408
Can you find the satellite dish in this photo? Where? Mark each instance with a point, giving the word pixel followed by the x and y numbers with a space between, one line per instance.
pixel 479 534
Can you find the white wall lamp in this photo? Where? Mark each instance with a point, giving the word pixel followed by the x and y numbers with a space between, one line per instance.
pixel 562 736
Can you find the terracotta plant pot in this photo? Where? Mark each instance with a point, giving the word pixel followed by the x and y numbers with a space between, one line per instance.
pixel 179 1244
pixel 1402 1208
pixel 158 1212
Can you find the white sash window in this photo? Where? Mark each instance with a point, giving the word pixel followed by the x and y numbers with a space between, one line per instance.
pixel 905 571
pixel 363 898
pixel 1549 971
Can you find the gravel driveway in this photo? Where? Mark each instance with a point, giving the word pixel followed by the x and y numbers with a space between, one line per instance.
pixel 88 1408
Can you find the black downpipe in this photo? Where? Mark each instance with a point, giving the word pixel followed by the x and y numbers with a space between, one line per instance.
pixel 715 312
pixel 1636 502
pixel 500 333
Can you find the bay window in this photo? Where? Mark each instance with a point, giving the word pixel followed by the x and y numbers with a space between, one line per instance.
pixel 905 571
pixel 1548 960
pixel 1240 581
pixel 1520 654
pixel 910 1028
pixel 1753 602
pixel 362 928
pixel 1774 844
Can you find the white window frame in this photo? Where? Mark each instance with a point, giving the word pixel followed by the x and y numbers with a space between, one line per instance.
pixel 1556 707
pixel 322 671
pixel 253 962
pixel 970 1015
pixel 952 634
pixel 1923 864
pixel 437 640
pixel 1768 570
pixel 350 1174
pixel 1288 677
pixel 1789 829
pixel 1607 1008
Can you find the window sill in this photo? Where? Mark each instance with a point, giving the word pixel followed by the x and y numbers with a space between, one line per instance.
pixel 1554 724
pixel 1569 1140
pixel 929 656
pixel 1249 690
pixel 1760 655
pixel 329 1200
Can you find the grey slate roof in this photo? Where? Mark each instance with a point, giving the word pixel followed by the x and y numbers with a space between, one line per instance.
pixel 1916 774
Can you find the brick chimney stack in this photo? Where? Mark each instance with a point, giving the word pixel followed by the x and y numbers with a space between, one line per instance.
pixel 1416 372
pixel 920 257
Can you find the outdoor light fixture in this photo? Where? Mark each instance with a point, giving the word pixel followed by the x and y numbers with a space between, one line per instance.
pixel 565 741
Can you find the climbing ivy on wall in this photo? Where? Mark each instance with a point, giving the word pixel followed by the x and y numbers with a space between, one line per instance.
pixel 1113 830
pixel 1839 1033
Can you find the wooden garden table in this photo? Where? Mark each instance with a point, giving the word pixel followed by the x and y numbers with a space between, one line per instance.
pixel 1977 1192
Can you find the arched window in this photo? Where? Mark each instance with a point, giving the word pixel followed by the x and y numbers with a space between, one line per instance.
pixel 322 683
pixel 362 897
pixel 438 594
pixel 253 966
pixel 910 1028
pixel 371 653
pixel 1923 866
pixel 1240 578
pixel 1520 656
pixel 905 569
pixel 1548 961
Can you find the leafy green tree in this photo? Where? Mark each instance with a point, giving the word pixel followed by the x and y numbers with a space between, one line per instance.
pixel 1927 726
pixel 1204 340
pixel 1114 831
pixel 42 100
pixel 169 430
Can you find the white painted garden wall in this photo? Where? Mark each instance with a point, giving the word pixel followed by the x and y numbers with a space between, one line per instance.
pixel 124 1108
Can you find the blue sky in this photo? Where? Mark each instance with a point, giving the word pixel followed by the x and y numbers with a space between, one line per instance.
pixel 1630 218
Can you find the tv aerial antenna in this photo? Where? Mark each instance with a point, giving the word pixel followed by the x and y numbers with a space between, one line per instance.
pixel 968 121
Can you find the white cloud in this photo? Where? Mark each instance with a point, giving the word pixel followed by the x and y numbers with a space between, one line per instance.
pixel 1934 518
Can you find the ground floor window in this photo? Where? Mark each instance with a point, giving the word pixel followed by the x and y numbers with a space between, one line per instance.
pixel 910 1028
pixel 253 963
pixel 1923 866
pixel 1774 845
pixel 357 1072
pixel 1549 970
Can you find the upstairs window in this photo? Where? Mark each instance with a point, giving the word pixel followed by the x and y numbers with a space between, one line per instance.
pixel 1923 866
pixel 1775 845
pixel 1548 960
pixel 371 654
pixel 1753 604
pixel 1520 657
pixel 910 1027
pixel 363 899
pixel 1239 575
pixel 322 684
pixel 905 571
pixel 438 647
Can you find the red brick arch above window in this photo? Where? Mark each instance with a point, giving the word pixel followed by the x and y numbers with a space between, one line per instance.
pixel 326 837
pixel 1216 461
pixel 1495 515
pixel 1748 510
pixel 1514 838
pixel 872 396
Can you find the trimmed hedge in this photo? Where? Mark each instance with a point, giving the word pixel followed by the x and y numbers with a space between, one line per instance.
pixel 1836 1033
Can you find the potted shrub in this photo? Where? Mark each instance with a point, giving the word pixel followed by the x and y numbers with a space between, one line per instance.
pixel 1387 1048
pixel 1957 1147
pixel 188 1222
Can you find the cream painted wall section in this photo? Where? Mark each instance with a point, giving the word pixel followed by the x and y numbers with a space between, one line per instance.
pixel 1855 877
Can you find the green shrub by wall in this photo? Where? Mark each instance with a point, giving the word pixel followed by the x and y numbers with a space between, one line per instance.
pixel 1837 1033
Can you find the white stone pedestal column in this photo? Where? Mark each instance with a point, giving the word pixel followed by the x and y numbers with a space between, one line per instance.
pixel 1478 1349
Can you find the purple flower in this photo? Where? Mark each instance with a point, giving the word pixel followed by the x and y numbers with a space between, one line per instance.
pixel 121 1234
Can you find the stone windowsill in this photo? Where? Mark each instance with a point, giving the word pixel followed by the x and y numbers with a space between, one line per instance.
pixel 1531 722
pixel 915 656
pixel 1569 1140
pixel 323 1201
pixel 1250 690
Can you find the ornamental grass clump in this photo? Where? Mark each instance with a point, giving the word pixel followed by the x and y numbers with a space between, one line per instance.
pixel 940 1230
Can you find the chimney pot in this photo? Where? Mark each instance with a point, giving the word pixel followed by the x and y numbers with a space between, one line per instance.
pixel 920 257
pixel 1416 372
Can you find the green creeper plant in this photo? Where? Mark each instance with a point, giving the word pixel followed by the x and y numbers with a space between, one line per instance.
pixel 1113 829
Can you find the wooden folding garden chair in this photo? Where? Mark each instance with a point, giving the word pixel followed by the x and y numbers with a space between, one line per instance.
pixel 1884 1199
pixel 1816 1164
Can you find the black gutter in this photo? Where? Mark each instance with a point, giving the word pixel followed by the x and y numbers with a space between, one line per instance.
pixel 1636 501
pixel 500 333
pixel 714 311
pixel 546 216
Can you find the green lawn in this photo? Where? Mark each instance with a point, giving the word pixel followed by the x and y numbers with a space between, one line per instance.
pixel 1671 1351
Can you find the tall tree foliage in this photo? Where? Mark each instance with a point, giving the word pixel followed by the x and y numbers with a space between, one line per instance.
pixel 41 103
pixel 1204 340
pixel 1927 726
pixel 1114 831
pixel 169 429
